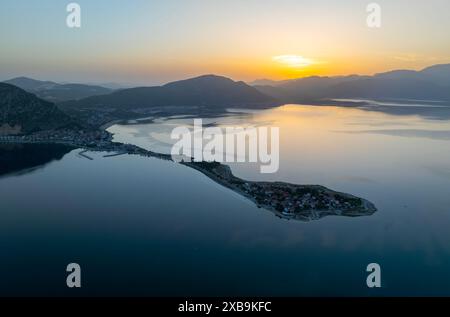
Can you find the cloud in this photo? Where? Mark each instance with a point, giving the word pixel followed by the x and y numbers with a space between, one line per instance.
pixel 294 60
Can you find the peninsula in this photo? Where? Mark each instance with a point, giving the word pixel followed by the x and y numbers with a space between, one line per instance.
pixel 30 120
pixel 288 201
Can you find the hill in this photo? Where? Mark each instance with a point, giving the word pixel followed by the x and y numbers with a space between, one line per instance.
pixel 55 92
pixel 23 113
pixel 208 90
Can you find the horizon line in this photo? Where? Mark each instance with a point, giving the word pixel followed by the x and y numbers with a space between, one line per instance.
pixel 136 85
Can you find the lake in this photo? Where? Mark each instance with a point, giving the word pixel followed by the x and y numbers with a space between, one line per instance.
pixel 145 227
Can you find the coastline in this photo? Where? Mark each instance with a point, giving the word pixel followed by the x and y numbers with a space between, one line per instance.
pixel 320 201
pixel 225 178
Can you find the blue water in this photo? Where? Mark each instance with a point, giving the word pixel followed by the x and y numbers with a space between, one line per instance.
pixel 142 226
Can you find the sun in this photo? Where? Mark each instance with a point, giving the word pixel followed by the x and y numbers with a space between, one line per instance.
pixel 294 61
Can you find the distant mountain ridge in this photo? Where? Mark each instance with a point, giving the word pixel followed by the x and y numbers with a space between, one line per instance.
pixel 55 92
pixel 431 83
pixel 23 113
pixel 207 90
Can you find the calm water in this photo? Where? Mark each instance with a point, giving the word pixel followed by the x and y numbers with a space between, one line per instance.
pixel 141 226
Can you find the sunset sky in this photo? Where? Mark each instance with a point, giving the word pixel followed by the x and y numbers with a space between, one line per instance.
pixel 152 42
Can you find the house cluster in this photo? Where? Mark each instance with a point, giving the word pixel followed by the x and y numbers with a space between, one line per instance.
pixel 71 137
pixel 295 199
pixel 285 198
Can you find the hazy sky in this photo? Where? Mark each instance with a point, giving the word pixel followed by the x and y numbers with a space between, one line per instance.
pixel 152 42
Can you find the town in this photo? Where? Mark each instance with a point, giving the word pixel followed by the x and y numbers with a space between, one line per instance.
pixel 302 202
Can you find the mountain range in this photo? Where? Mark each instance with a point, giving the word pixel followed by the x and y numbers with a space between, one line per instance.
pixel 55 92
pixel 25 112
pixel 431 83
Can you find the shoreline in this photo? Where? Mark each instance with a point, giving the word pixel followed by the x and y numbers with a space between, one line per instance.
pixel 227 179
pixel 287 201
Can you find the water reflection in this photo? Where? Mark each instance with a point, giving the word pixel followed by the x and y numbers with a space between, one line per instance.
pixel 411 133
pixel 432 110
pixel 20 159
pixel 426 112
pixel 160 228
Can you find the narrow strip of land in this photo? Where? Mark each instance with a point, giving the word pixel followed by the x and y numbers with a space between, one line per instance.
pixel 291 201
